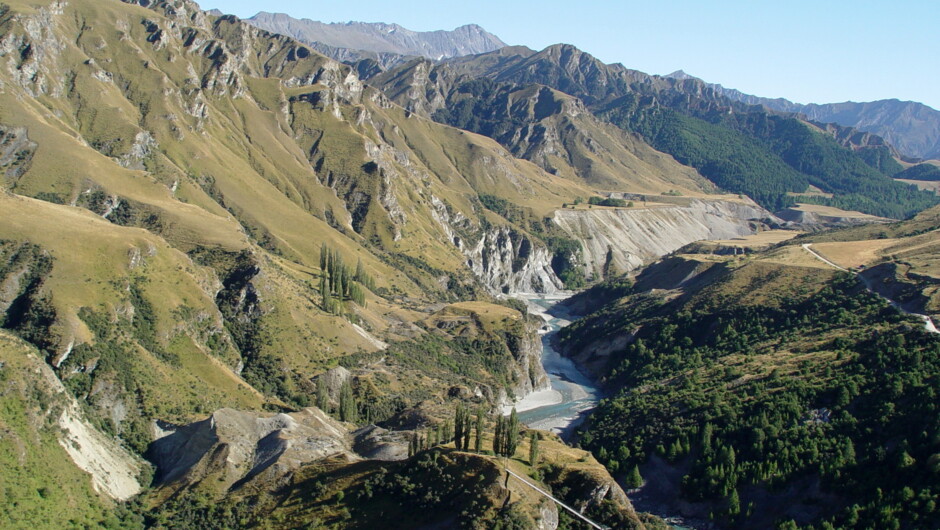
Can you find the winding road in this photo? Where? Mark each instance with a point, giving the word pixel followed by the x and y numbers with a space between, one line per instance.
pixel 928 323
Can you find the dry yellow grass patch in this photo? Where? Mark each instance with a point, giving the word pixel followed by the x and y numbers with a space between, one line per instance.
pixel 795 256
pixel 811 191
pixel 929 185
pixel 759 240
pixel 831 211
pixel 854 253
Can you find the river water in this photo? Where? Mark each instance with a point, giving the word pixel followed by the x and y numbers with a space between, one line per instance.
pixel 572 393
pixel 571 396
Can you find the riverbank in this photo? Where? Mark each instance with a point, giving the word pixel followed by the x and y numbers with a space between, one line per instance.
pixel 572 394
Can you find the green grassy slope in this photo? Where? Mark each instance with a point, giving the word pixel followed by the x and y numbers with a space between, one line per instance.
pixel 38 489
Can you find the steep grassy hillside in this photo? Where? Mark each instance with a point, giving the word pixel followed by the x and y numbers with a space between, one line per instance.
pixel 199 216
pixel 189 170
pixel 741 148
pixel 39 488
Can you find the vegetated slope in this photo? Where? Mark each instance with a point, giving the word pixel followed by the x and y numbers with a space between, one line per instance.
pixel 440 485
pixel 188 173
pixel 388 44
pixel 547 127
pixel 900 260
pixel 198 214
pixel 767 389
pixel 38 486
pixel 742 148
pixel 911 127
pixel 237 172
pixel 920 172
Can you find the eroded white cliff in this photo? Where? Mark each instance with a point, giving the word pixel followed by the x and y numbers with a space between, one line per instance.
pixel 636 236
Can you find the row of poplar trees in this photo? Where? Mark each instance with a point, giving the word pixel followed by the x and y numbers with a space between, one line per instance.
pixel 467 427
pixel 339 282
pixel 348 407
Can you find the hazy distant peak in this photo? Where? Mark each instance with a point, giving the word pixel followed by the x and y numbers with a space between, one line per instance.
pixel 381 38
pixel 912 127
pixel 681 75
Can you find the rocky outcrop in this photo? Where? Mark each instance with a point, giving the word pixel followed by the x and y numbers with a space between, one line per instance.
pixel 53 410
pixel 16 152
pixel 625 238
pixel 239 446
pixel 529 372
pixel 508 261
pixel 513 334
pixel 376 443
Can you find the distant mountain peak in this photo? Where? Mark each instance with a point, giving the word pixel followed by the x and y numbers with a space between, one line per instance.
pixel 911 127
pixel 681 75
pixel 353 41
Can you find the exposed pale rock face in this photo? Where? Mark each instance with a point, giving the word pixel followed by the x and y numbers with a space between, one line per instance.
pixel 637 236
pixel 29 55
pixel 507 261
pixel 113 469
pixel 245 445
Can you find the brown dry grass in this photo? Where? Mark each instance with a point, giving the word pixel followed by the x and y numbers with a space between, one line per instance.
pixel 929 185
pixel 854 253
pixel 811 191
pixel 831 211
pixel 759 240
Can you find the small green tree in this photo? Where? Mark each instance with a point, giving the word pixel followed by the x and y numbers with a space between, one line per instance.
pixel 634 480
pixel 734 504
pixel 348 409
pixel 323 395
pixel 533 449
pixel 478 438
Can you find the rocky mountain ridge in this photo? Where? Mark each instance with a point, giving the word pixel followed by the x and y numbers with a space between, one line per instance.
pixel 911 127
pixel 389 44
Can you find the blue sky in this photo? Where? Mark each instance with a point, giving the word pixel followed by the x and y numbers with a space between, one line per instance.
pixel 821 51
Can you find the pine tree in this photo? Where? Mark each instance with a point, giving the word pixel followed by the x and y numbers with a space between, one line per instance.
pixel 498 436
pixel 458 425
pixel 707 438
pixel 360 271
pixel 734 504
pixel 323 395
pixel 634 480
pixel 448 433
pixel 325 294
pixel 339 287
pixel 466 432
